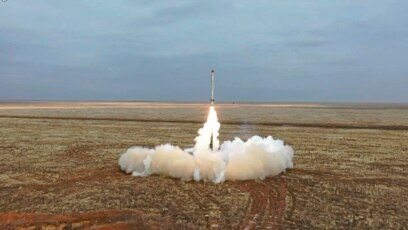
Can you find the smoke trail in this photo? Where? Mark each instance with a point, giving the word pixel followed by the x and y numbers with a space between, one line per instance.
pixel 256 158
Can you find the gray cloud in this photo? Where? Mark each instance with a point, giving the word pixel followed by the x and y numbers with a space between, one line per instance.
pixel 306 43
pixel 144 50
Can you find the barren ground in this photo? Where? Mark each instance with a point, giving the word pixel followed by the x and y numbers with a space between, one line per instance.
pixel 58 167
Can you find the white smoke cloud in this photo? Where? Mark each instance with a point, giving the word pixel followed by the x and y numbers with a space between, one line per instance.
pixel 256 158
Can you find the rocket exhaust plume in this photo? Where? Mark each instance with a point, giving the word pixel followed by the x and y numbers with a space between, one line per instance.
pixel 256 158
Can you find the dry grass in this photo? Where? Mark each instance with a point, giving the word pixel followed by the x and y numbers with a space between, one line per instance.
pixel 63 172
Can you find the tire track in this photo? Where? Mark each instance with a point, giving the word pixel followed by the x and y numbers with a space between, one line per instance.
pixel 102 219
pixel 205 200
pixel 267 203
pixel 285 124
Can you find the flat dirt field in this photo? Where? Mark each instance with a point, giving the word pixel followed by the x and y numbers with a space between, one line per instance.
pixel 59 167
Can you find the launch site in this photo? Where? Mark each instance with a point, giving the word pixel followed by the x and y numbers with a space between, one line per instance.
pixel 203 114
pixel 59 167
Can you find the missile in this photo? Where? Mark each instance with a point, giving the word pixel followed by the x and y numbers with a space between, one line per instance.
pixel 212 87
pixel 212 104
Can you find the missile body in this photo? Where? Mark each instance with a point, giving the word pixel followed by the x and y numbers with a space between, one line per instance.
pixel 212 104
pixel 212 87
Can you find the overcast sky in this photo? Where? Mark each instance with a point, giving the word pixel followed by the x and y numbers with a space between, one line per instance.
pixel 349 51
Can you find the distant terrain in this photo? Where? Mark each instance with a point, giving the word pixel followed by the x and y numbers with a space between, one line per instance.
pixel 58 167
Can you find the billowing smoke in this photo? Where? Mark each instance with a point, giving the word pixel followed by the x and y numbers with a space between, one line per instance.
pixel 256 158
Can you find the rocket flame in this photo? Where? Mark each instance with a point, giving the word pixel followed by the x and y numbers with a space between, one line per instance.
pixel 257 158
pixel 208 133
